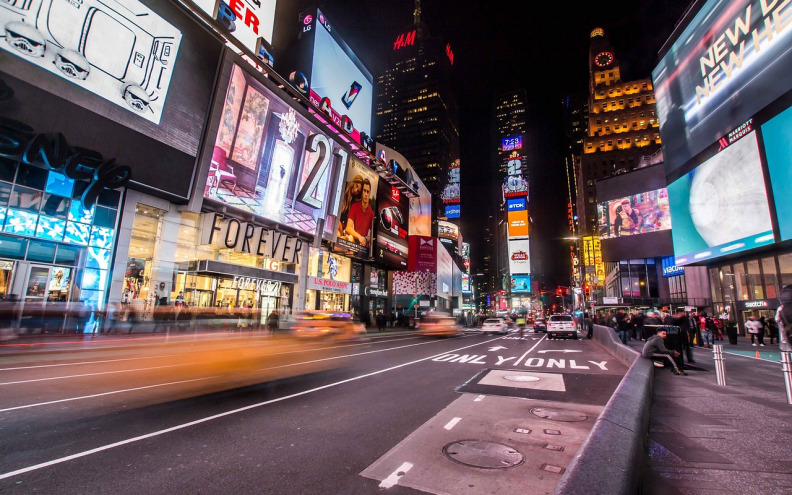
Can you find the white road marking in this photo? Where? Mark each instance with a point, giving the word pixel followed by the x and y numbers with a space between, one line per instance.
pixel 479 398
pixel 86 362
pixel 529 350
pixel 153 434
pixel 557 350
pixel 497 348
pixel 394 477
pixel 91 374
pixel 452 423
pixel 105 393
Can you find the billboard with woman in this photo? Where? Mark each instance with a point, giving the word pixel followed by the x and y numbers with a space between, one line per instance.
pixel 354 229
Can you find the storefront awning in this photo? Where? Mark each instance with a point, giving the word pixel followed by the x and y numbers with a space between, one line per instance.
pixel 212 267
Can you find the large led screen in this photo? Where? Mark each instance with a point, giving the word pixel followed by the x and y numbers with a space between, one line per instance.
pixel 778 150
pixel 392 226
pixel 519 256
pixel 634 214
pixel 731 60
pixel 517 217
pixel 721 207
pixel 355 224
pixel 520 283
pixel 121 51
pixel 268 160
pixel 420 207
pixel 338 75
pixel 447 232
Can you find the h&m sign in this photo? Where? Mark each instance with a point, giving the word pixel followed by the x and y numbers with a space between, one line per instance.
pixel 245 237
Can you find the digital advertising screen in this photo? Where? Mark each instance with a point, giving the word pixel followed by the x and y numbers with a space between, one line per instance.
pixel 721 207
pixel 120 51
pixel 519 256
pixel 447 232
pixel 452 211
pixel 520 283
pixel 130 80
pixel 391 246
pixel 423 253
pixel 518 223
pixel 337 74
pixel 633 215
pixel 511 143
pixel 731 60
pixel 269 161
pixel 778 151
pixel 355 227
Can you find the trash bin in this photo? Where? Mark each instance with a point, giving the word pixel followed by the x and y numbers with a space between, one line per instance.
pixel 731 331
pixel 674 341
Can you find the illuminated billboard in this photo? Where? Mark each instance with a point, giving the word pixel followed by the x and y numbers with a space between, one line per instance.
pixel 269 161
pixel 511 143
pixel 452 211
pixel 519 256
pixel 249 21
pixel 355 223
pixel 517 217
pixel 721 207
pixel 731 60
pixel 515 185
pixel 420 207
pixel 447 232
pixel 520 283
pixel 778 150
pixel 121 51
pixel 392 229
pixel 634 214
pixel 450 193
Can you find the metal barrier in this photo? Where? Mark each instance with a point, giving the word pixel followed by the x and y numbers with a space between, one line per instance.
pixel 786 367
pixel 720 369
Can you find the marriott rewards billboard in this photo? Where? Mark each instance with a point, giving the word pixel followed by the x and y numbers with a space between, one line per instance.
pixel 731 60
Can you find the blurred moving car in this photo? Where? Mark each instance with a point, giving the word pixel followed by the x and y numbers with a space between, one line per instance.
pixel 540 325
pixel 439 326
pixel 327 325
pixel 494 325
pixel 561 326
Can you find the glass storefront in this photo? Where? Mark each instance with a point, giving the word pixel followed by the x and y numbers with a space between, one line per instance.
pixel 52 250
pixel 332 267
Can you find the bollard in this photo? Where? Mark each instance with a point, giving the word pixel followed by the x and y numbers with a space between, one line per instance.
pixel 720 369
pixel 786 367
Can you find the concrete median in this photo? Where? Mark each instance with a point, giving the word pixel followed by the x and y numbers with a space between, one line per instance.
pixel 611 458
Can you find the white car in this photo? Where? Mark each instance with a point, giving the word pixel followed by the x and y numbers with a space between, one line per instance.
pixel 495 325
pixel 561 326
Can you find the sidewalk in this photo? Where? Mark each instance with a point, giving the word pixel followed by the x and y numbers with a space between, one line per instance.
pixel 708 439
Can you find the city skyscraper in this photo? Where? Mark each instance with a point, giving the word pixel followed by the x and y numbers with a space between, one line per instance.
pixel 417 114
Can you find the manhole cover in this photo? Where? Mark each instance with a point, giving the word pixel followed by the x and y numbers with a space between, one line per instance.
pixel 521 378
pixel 559 414
pixel 482 454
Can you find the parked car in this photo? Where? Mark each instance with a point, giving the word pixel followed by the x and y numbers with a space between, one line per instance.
pixel 561 326
pixel 540 325
pixel 495 325
pixel 439 326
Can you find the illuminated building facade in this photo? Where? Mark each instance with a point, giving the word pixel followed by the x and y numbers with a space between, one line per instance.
pixel 623 129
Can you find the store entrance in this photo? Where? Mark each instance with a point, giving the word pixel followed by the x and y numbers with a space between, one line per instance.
pixel 45 299
pixel 268 304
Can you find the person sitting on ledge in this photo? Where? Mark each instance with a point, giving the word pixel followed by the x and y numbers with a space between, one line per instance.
pixel 656 350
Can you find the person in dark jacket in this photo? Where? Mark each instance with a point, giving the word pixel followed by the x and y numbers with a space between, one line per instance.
pixel 623 326
pixel 656 350
pixel 683 322
pixel 784 319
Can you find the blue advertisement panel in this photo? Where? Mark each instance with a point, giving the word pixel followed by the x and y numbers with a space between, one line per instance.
pixel 518 204
pixel 721 207
pixel 778 150
pixel 452 211
pixel 670 268
pixel 520 283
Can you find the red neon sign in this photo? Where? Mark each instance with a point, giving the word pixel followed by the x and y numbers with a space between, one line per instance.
pixel 450 54
pixel 403 40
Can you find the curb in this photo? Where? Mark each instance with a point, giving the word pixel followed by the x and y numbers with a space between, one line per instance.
pixel 610 461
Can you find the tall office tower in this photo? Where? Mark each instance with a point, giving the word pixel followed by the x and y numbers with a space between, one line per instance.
pixel 417 115
pixel 574 110
pixel 511 144
pixel 623 131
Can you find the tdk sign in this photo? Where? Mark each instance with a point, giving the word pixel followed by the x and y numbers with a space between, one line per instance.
pixel 515 204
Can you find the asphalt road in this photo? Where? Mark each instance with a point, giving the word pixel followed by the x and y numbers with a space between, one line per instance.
pixel 402 413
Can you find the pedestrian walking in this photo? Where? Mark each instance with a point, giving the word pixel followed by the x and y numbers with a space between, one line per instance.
pixel 589 324
pixel 772 329
pixel 380 321
pixel 784 319
pixel 707 328
pixel 683 322
pixel 756 330
pixel 622 326
pixel 656 350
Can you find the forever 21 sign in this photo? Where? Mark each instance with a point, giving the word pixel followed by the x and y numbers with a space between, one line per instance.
pixel 19 141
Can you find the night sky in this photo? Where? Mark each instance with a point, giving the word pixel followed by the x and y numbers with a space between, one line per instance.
pixel 540 46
